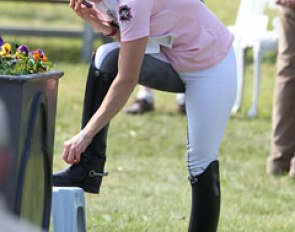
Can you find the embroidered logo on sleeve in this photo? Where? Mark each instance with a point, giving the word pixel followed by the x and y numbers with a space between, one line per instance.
pixel 125 13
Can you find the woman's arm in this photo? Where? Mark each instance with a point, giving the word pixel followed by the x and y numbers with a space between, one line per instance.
pixel 129 64
pixel 130 59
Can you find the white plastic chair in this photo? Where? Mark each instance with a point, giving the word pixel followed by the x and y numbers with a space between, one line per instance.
pixel 267 42
pixel 250 24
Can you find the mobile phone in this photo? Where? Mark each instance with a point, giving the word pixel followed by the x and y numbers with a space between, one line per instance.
pixel 87 4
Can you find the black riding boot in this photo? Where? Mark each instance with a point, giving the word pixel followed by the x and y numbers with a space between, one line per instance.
pixel 205 200
pixel 88 173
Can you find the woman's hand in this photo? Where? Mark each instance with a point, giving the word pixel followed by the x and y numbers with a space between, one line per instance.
pixel 74 147
pixel 288 3
pixel 91 15
pixel 77 6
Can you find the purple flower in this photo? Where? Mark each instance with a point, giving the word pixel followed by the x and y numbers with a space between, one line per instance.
pixel 1 41
pixel 23 49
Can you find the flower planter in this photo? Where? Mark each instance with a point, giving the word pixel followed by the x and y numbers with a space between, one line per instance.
pixel 30 101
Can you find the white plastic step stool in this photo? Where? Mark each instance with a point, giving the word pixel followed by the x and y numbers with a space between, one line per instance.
pixel 68 209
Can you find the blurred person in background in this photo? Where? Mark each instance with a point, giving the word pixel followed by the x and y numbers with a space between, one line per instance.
pixel 195 57
pixel 282 157
pixel 8 222
pixel 145 102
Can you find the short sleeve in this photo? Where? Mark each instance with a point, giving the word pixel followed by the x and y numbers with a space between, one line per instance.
pixel 134 19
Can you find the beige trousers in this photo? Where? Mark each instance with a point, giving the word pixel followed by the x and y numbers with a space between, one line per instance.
pixel 283 124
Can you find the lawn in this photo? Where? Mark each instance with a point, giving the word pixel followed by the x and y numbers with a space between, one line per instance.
pixel 147 187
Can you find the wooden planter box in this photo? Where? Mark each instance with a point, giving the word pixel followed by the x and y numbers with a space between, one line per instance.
pixel 30 101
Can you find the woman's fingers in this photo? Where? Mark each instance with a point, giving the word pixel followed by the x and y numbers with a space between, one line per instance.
pixel 88 14
pixel 76 5
pixel 72 3
pixel 66 152
pixel 289 3
pixel 73 149
pixel 72 155
pixel 69 154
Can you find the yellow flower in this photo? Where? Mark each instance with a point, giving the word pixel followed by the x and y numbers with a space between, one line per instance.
pixel 5 49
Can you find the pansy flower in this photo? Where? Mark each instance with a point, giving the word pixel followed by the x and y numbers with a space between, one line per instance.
pixel 5 49
pixel 39 55
pixel 23 49
pixel 1 41
pixel 18 60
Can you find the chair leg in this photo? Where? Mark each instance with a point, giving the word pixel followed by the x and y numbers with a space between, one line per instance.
pixel 257 58
pixel 240 78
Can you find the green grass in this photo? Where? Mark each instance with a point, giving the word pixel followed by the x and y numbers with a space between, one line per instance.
pixel 147 187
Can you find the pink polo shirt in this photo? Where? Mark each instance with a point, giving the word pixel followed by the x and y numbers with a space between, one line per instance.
pixel 200 40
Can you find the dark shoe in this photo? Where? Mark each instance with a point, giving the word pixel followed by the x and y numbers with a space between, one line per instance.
pixel 205 200
pixel 140 106
pixel 181 109
pixel 277 166
pixel 87 174
pixel 292 168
